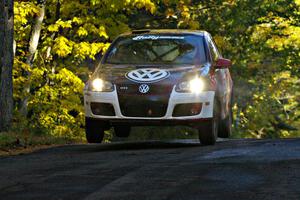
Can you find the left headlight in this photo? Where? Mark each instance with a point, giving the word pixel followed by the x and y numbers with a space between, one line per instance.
pixel 99 85
pixel 195 85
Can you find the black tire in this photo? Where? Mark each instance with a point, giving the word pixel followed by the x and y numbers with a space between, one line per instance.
pixel 208 130
pixel 94 131
pixel 122 131
pixel 225 125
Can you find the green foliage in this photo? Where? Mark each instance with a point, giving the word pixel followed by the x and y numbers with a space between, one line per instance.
pixel 274 109
pixel 57 105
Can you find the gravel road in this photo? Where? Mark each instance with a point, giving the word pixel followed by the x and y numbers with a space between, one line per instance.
pixel 232 169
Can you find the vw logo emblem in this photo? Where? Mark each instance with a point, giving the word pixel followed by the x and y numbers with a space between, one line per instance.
pixel 144 88
pixel 148 75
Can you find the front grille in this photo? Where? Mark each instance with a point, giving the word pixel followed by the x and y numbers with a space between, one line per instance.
pixel 105 109
pixel 143 108
pixel 189 109
pixel 152 104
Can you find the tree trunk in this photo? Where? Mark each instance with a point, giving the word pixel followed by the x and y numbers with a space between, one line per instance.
pixel 33 44
pixel 2 30
pixel 6 63
pixel 54 35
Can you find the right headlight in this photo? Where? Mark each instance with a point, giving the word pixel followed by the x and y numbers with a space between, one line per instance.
pixel 195 85
pixel 99 85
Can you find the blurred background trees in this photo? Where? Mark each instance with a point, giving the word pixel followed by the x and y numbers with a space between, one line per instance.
pixel 60 41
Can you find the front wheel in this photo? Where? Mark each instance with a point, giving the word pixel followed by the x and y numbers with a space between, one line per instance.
pixel 94 131
pixel 208 130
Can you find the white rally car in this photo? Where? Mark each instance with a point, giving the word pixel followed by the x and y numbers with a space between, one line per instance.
pixel 164 78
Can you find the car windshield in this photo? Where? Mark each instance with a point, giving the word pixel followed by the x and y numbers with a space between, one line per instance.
pixel 157 49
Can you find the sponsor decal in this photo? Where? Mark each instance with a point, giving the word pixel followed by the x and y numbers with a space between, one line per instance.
pixel 148 75
pixel 144 88
pixel 157 37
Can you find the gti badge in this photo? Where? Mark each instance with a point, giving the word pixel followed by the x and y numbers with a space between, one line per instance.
pixel 148 75
pixel 144 88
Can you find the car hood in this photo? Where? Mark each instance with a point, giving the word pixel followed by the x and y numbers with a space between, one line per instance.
pixel 122 74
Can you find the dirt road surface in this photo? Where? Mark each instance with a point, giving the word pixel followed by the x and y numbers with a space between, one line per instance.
pixel 232 169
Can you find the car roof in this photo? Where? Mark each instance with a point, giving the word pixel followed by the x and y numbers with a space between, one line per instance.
pixel 165 31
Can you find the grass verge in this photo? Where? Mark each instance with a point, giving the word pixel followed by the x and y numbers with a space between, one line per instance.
pixel 12 143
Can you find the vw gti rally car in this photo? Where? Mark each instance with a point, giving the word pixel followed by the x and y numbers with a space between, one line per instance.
pixel 160 77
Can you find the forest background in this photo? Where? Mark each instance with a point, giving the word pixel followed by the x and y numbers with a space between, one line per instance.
pixel 58 43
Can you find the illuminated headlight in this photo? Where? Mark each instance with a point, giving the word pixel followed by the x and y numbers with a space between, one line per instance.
pixel 99 85
pixel 195 85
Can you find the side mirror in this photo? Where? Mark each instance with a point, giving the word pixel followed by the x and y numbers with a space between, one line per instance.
pixel 222 63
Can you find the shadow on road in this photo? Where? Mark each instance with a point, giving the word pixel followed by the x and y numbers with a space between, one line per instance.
pixel 130 145
pixel 138 145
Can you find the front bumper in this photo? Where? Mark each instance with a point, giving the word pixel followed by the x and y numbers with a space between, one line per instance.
pixel 206 98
